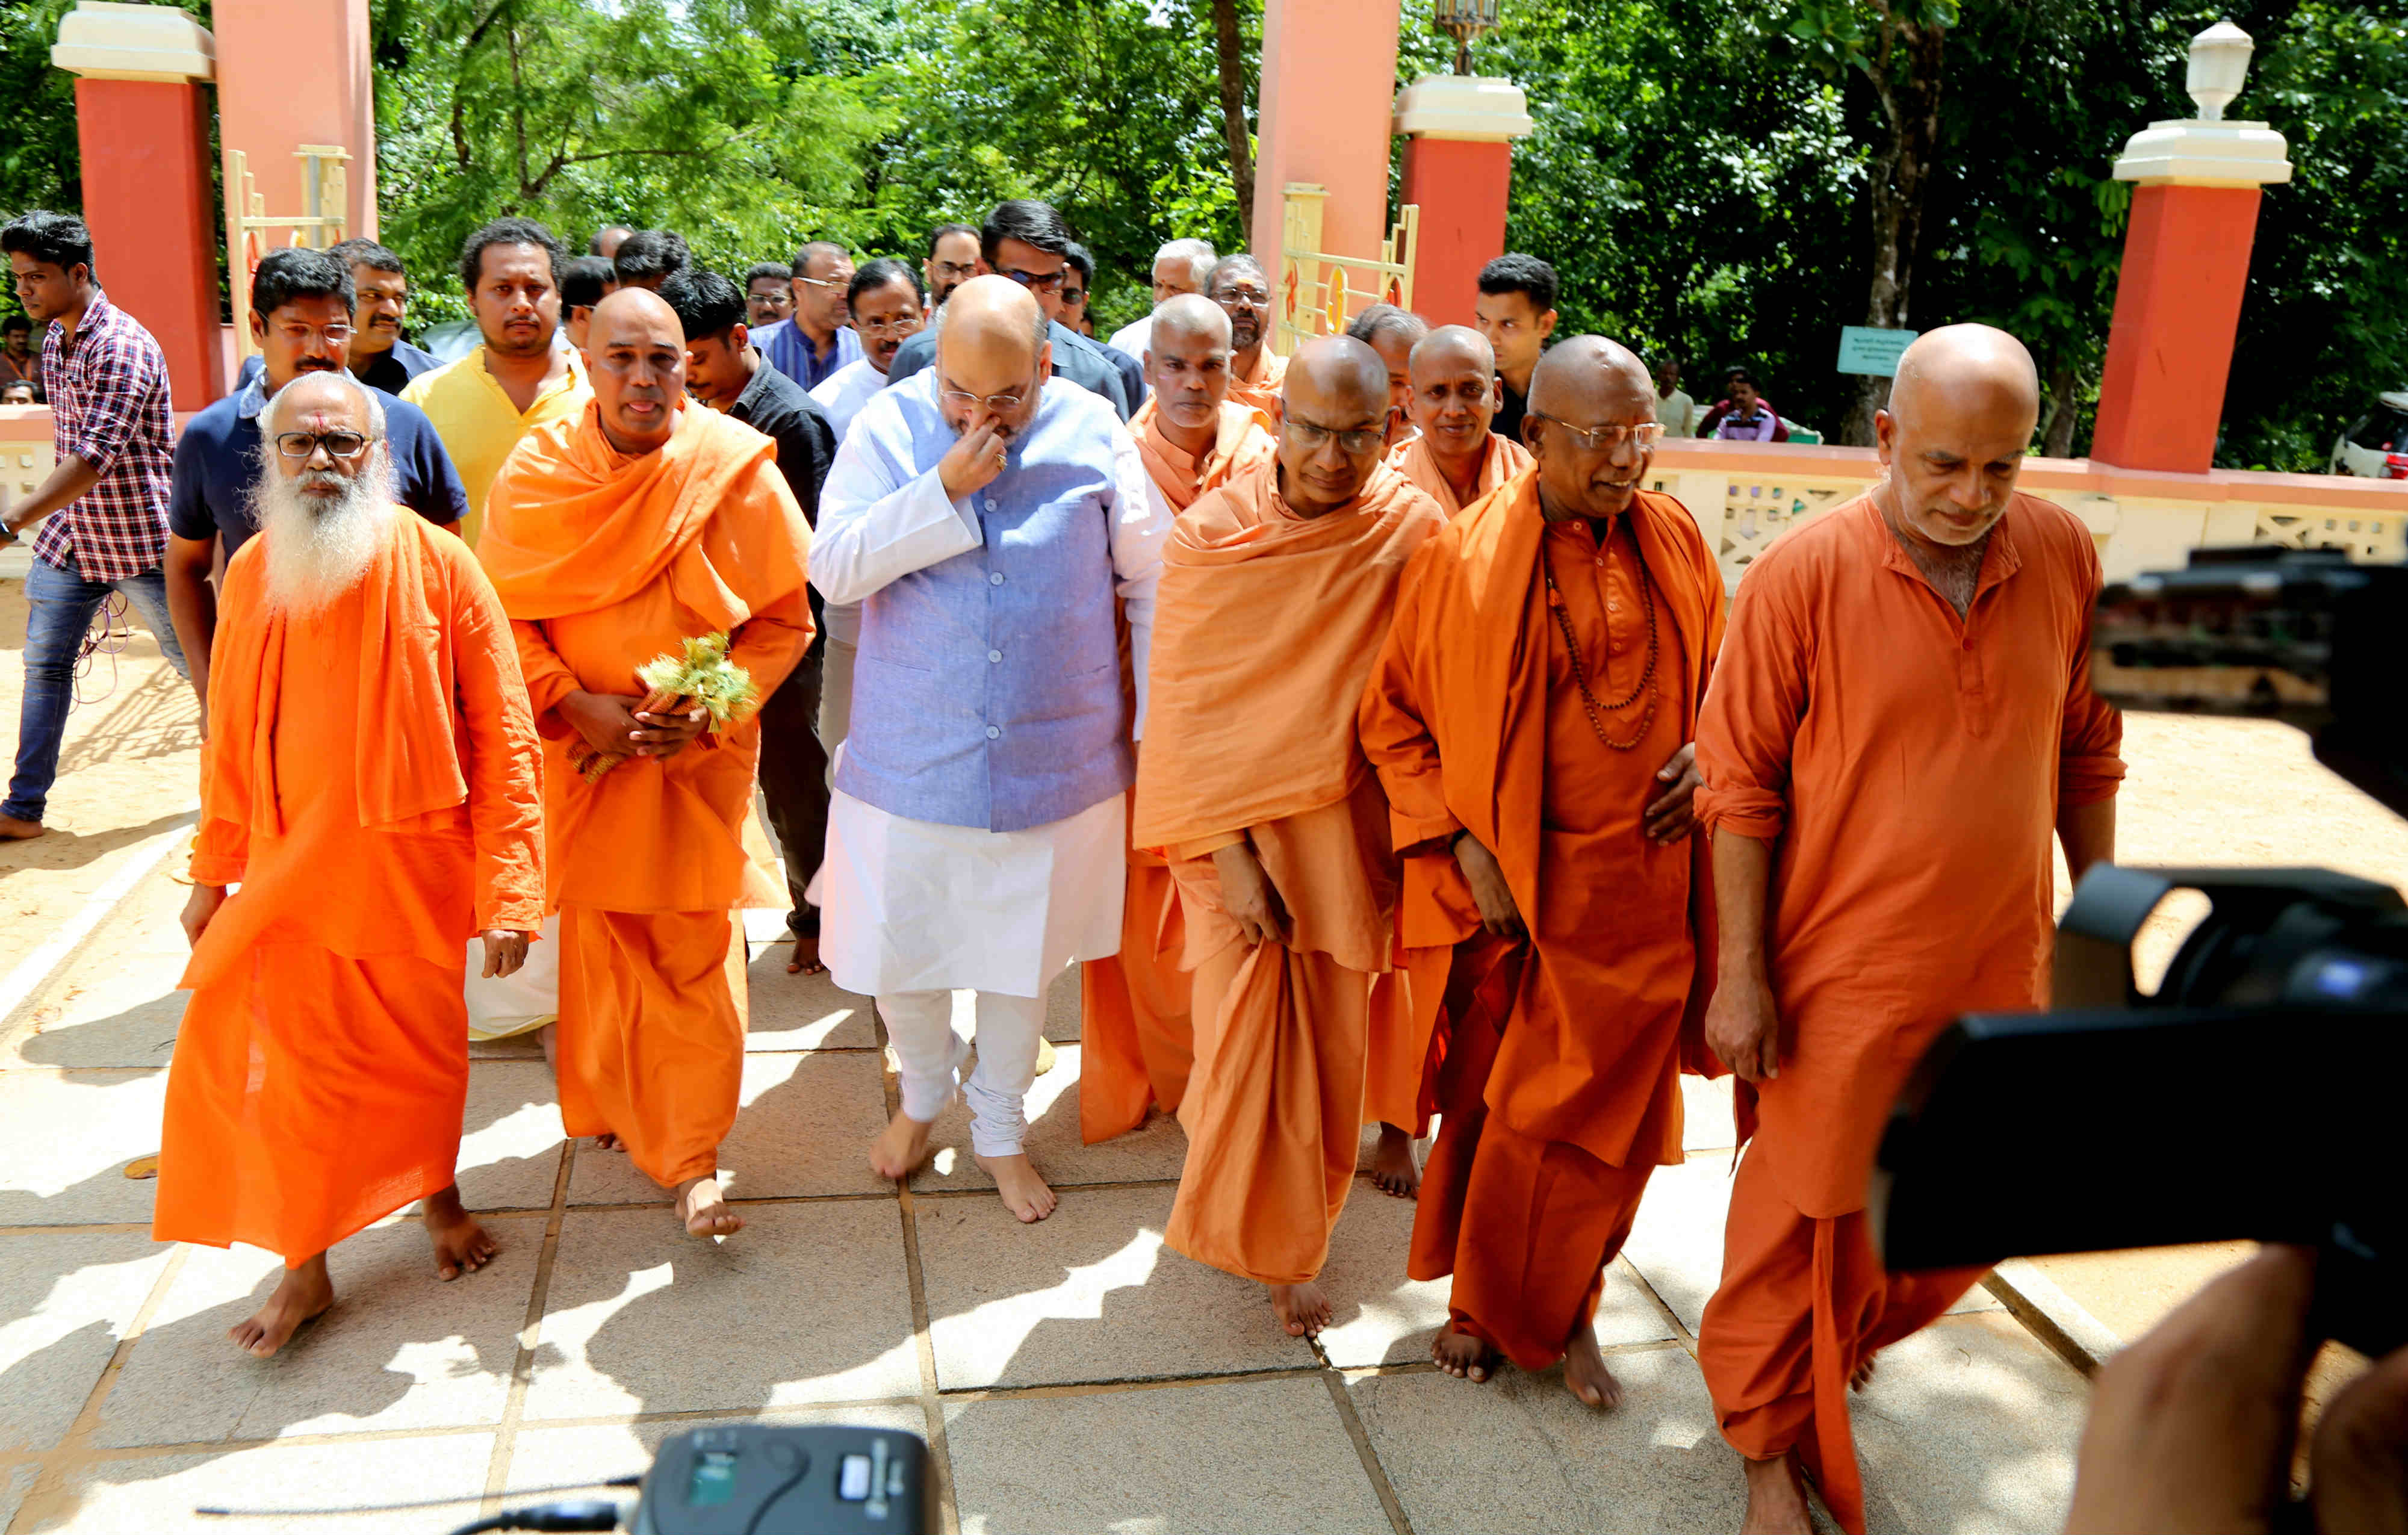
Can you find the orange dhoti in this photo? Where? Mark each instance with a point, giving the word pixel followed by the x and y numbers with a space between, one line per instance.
pixel 312 1095
pixel 1136 1044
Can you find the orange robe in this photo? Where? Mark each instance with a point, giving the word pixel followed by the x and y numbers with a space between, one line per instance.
pixel 1909 765
pixel 606 561
pixel 1558 1085
pixel 372 782
pixel 1499 463
pixel 1136 1045
pixel 1259 389
pixel 1266 628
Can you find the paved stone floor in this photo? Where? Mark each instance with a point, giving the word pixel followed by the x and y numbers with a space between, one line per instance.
pixel 1073 1376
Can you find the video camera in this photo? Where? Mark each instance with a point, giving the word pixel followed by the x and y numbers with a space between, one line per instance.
pixel 2218 1106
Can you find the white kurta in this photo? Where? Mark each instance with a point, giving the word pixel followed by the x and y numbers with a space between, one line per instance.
pixel 843 392
pixel 912 905
pixel 1133 339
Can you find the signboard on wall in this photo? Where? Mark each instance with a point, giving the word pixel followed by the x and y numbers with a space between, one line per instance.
pixel 1872 349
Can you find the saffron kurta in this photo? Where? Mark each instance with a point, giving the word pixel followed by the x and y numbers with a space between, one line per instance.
pixel 1500 461
pixel 1909 765
pixel 1559 1083
pixel 604 562
pixel 1136 1044
pixel 1258 388
pixel 1266 627
pixel 371 781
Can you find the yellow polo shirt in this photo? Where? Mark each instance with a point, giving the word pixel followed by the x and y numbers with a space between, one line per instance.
pixel 479 425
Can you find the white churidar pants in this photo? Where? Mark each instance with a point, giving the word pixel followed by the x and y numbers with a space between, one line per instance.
pixel 920 1025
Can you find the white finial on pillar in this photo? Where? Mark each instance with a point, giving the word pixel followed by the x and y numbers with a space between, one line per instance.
pixel 2219 63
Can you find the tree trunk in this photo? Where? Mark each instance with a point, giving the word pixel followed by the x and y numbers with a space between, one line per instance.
pixel 2064 410
pixel 1233 107
pixel 1905 73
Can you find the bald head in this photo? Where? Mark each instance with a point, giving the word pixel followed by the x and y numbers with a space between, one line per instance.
pixel 1338 372
pixel 1192 317
pixel 1333 421
pixel 992 340
pixel 1961 413
pixel 1599 432
pixel 1452 346
pixel 1451 395
pixel 1188 367
pixel 635 352
pixel 1966 368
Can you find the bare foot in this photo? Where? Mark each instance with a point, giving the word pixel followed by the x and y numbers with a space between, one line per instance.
pixel 705 1213
pixel 1776 1498
pixel 902 1147
pixel 1024 1193
pixel 1862 1376
pixel 606 1141
pixel 1303 1308
pixel 14 830
pixel 1584 1371
pixel 1044 1054
pixel 1391 1166
pixel 548 1037
pixel 303 1296
pixel 462 1246
pixel 806 959
pixel 1461 1354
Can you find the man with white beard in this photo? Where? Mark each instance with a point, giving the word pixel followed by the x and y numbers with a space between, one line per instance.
pixel 370 799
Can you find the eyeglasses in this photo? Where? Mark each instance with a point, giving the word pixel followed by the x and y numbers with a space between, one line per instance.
pixel 957 268
pixel 1602 439
pixel 1072 296
pixel 1050 283
pixel 1253 298
pixel 305 444
pixel 1354 444
pixel 910 326
pixel 1002 405
pixel 845 281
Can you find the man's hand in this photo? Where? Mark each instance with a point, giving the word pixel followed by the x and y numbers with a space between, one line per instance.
pixel 1489 891
pixel 1248 895
pixel 972 463
pixel 506 950
pixel 606 719
pixel 664 735
pixel 1672 817
pixel 200 909
pixel 1742 1027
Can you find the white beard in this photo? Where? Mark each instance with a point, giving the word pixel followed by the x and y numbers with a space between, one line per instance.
pixel 321 546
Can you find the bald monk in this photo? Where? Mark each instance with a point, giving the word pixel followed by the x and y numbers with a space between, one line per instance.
pixel 371 781
pixel 613 537
pixel 1393 333
pixel 1904 714
pixel 1276 593
pixel 1136 1044
pixel 1455 393
pixel 1531 719
pixel 1238 284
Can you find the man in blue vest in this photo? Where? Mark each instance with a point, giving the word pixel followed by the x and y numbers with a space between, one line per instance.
pixel 985 514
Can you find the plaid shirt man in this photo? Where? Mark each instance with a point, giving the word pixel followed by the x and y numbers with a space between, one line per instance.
pixel 109 406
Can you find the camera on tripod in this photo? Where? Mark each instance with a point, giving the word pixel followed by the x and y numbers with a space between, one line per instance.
pixel 2218 1106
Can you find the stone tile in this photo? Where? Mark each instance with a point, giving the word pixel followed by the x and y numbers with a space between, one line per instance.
pixel 120 1011
pixel 65 1300
pixel 1234 1457
pixel 511 1140
pixel 1677 1241
pixel 808 1303
pixel 514 1047
pixel 1154 1151
pixel 14 1486
pixel 400 1350
pixel 804 1129
pixel 1062 1011
pixel 802 1012
pixel 159 1493
pixel 1706 1117
pixel 1521 1453
pixel 541 1457
pixel 1970 1429
pixel 1088 1294
pixel 70 1135
pixel 1385 1318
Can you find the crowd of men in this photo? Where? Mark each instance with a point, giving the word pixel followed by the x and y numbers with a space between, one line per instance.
pixel 1380 744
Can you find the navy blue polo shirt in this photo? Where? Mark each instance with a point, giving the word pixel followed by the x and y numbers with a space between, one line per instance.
pixel 218 463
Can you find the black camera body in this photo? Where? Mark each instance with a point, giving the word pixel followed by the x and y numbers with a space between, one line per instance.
pixel 2208 1111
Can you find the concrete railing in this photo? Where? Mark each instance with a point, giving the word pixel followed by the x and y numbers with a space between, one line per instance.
pixel 24 451
pixel 1744 495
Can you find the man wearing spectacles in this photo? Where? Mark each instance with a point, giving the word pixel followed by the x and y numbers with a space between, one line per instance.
pixel 301 315
pixel 1531 716
pixel 985 514
pixel 818 338
pixel 1027 242
pixel 1277 589
pixel 1238 285
pixel 768 293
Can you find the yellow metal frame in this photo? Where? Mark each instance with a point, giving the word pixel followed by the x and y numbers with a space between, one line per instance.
pixel 1316 292
pixel 325 196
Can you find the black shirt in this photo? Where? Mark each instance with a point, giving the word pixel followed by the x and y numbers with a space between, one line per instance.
pixel 776 406
pixel 1508 423
pixel 1075 358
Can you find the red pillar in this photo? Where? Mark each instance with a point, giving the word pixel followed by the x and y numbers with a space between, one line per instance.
pixel 1459 169
pixel 145 199
pixel 142 128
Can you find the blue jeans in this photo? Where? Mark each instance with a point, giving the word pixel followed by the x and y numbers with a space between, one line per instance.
pixel 61 605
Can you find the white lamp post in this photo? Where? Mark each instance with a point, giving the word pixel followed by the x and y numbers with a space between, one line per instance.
pixel 2208 150
pixel 2219 63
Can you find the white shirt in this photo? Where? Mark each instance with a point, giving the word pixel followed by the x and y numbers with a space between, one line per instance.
pixel 1134 337
pixel 846 390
